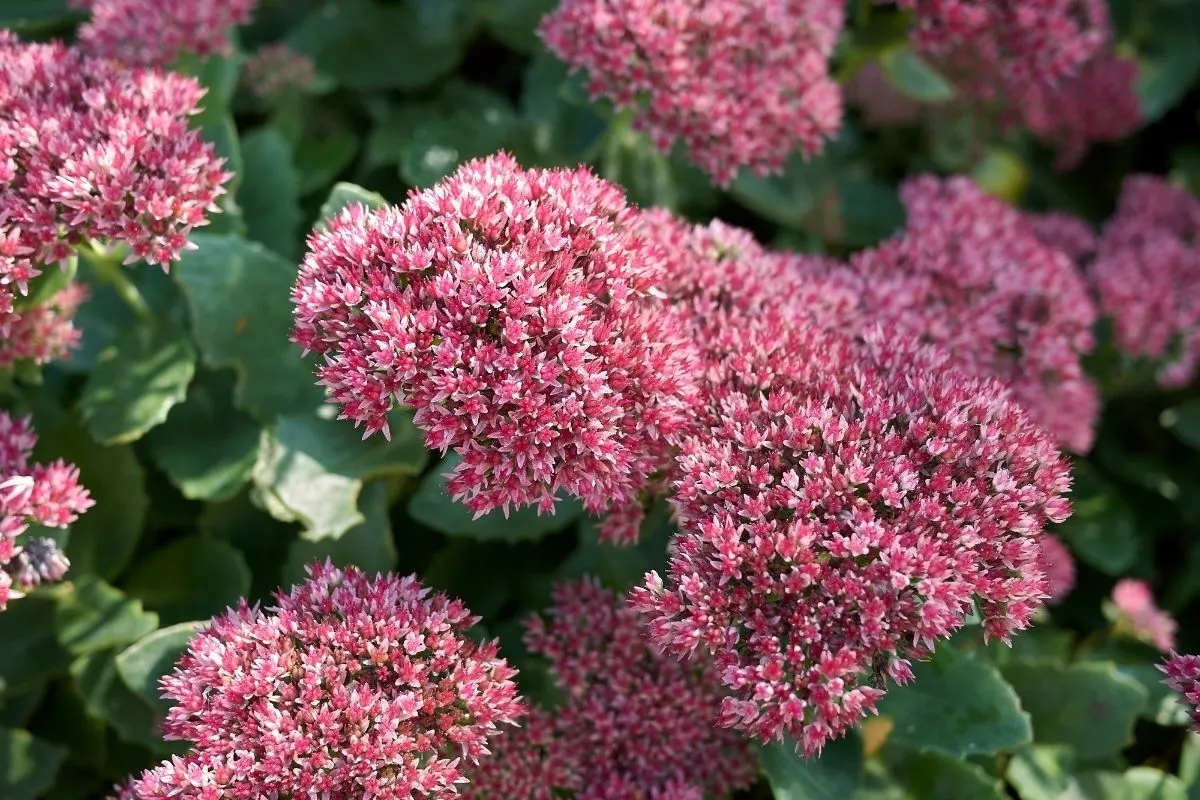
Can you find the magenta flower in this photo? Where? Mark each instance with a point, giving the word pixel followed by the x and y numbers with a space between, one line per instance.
pixel 1146 276
pixel 843 507
pixel 970 276
pixel 1067 233
pixel 92 151
pixel 520 314
pixel 633 723
pixel 274 69
pixel 740 84
pixel 155 34
pixel 1183 676
pixel 527 763
pixel 349 687
pixel 44 333
pixel 1138 614
pixel 32 493
pixel 1059 567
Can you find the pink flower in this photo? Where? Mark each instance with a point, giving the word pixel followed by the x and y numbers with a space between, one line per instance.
pixel 156 34
pixel 633 723
pixel 970 276
pixel 1146 276
pixel 1059 567
pixel 520 314
pixel 842 508
pixel 1139 615
pixel 1067 233
pixel 274 69
pixel 528 763
pixel 878 100
pixel 740 84
pixel 1183 675
pixel 92 151
pixel 44 333
pixel 32 493
pixel 349 687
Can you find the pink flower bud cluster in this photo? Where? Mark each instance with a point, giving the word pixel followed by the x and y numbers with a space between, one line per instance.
pixel 844 507
pixel 970 276
pixel 520 314
pixel 1183 676
pixel 1059 567
pixel 274 69
pixel 1146 276
pixel 1139 615
pixel 155 34
pixel 633 723
pixel 741 84
pixel 93 151
pixel 1067 233
pixel 350 687
pixel 48 495
pixel 43 333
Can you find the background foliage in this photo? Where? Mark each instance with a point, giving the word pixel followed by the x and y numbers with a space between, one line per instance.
pixel 218 472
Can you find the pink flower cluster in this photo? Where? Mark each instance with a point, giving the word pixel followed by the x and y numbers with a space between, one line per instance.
pixel 43 333
pixel 32 493
pixel 274 69
pixel 740 84
pixel 1138 614
pixel 155 34
pixel 843 507
pixel 1146 276
pixel 970 275
pixel 350 687
pixel 93 151
pixel 633 723
pixel 521 316
pixel 1059 567
pixel 1183 676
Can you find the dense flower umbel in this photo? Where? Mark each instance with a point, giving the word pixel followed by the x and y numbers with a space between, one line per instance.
pixel 44 333
pixel 274 69
pixel 520 315
pixel 844 508
pixel 48 495
pixel 741 84
pixel 350 687
pixel 91 150
pixel 1183 675
pixel 1067 233
pixel 634 723
pixel 970 275
pixel 1146 275
pixel 1138 614
pixel 528 763
pixel 156 34
pixel 1059 567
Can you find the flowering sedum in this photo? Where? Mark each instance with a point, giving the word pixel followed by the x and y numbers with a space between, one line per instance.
pixel 1059 567
pixel 740 84
pixel 1183 675
pixel 349 687
pixel 156 34
pixel 521 316
pixel 44 332
pixel 1138 614
pixel 48 495
pixel 274 69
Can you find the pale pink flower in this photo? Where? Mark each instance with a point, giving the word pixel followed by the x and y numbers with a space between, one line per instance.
pixel 349 687
pixel 156 33
pixel 274 69
pixel 1059 566
pixel 1183 675
pixel 520 314
pixel 43 333
pixel 1140 615
pixel 740 84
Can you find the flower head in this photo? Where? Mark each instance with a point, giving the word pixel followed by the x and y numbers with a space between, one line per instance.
pixel 1139 615
pixel 527 763
pixel 275 68
pixel 1059 567
pixel 349 687
pixel 844 507
pixel 740 84
pixel 520 314
pixel 43 333
pixel 156 34
pixel 1066 233
pixel 90 150
pixel 1183 675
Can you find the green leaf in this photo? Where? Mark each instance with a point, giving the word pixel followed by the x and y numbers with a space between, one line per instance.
pixel 1184 422
pixel 914 76
pixel 958 705
pixel 562 133
pixel 937 776
pixel 345 194
pixel 785 199
pixel 368 545
pixel 31 651
pixel 432 506
pixel 1139 783
pixel 468 121
pixel 1139 662
pixel 835 775
pixel 189 578
pixel 310 469
pixel 1041 772
pixel 629 159
pixel 238 293
pixel 620 567
pixel 1102 531
pixel 136 382
pixel 270 193
pixel 262 540
pixel 1171 60
pixel 94 616
pixel 108 699
pixel 142 664
pixel 28 766
pixel 29 16
pixel 365 44
pixel 319 161
pixel 104 537
pixel 514 22
pixel 207 447
pixel 1091 707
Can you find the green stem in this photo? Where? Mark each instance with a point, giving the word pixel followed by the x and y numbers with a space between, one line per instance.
pixel 109 269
